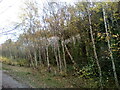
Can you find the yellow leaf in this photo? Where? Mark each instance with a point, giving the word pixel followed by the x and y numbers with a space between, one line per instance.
pixel 101 19
pixel 114 35
pixel 99 34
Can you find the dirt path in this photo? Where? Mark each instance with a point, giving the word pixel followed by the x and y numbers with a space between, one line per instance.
pixel 10 82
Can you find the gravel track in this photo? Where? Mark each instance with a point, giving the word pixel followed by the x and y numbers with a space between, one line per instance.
pixel 9 82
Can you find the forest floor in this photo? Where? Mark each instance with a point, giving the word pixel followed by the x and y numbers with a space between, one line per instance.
pixel 36 79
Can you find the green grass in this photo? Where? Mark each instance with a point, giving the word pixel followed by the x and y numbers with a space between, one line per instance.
pixel 33 77
pixel 43 79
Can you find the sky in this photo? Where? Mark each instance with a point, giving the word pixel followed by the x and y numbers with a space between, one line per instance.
pixel 9 15
pixel 9 12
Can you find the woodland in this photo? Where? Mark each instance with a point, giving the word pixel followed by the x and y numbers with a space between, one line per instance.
pixel 80 39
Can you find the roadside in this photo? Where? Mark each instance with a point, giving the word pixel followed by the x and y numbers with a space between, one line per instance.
pixel 9 82
pixel 43 79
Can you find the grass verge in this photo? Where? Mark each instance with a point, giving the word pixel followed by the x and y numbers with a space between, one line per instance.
pixel 36 79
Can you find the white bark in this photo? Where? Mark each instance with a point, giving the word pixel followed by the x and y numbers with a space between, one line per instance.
pixel 71 57
pixel 31 59
pixel 74 41
pixel 56 58
pixel 109 48
pixel 64 56
pixel 94 48
pixel 60 63
pixel 48 63
pixel 40 59
pixel 35 57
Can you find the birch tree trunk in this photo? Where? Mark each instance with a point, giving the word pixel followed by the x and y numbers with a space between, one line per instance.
pixel 31 60
pixel 109 48
pixel 60 63
pixel 35 57
pixel 48 62
pixel 71 58
pixel 94 48
pixel 74 41
pixel 56 58
pixel 62 43
pixel 40 59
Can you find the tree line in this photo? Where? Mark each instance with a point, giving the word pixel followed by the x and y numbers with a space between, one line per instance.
pixel 74 38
